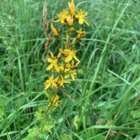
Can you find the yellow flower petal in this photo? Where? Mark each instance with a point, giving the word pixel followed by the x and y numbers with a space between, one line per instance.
pixel 49 67
pixel 56 79
pixel 51 78
pixel 47 85
pixel 68 58
pixel 59 55
pixel 72 76
pixel 81 21
pixel 56 67
pixel 76 58
pixel 61 51
pixel 86 22
pixel 77 64
pixel 66 76
pixel 50 60
pixel 52 56
pixel 57 20
pixel 54 84
pixel 66 82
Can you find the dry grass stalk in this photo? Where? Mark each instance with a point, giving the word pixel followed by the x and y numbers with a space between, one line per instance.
pixel 45 25
pixel 48 41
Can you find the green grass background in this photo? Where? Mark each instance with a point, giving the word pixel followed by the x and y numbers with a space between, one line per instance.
pixel 107 88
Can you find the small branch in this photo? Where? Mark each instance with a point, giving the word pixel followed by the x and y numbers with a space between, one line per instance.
pixel 67 95
pixel 69 126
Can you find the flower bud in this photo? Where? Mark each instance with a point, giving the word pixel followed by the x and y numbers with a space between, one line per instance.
pixel 71 29
pixel 54 31
pixel 59 30
pixel 70 21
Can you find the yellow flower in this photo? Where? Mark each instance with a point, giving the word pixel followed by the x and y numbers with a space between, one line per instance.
pixel 62 16
pixel 61 82
pixel 62 67
pixel 71 54
pixel 55 100
pixel 80 34
pixel 54 30
pixel 72 74
pixel 81 15
pixel 50 82
pixel 53 62
pixel 74 66
pixel 70 21
pixel 72 7
pixel 63 52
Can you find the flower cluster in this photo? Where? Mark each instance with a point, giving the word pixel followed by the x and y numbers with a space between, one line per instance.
pixel 63 66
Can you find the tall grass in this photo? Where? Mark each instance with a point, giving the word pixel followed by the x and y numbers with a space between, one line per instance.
pixel 106 91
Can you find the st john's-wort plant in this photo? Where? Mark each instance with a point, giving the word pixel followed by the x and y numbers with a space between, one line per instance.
pixel 62 67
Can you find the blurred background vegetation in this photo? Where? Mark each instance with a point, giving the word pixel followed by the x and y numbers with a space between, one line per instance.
pixel 107 89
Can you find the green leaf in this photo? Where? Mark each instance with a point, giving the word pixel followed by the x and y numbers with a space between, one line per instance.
pixel 135 114
pixel 33 132
pixel 66 137
pixel 76 119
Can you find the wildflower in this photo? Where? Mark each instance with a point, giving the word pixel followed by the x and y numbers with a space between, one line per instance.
pixel 72 7
pixel 80 34
pixel 64 68
pixel 53 62
pixel 74 66
pixel 81 15
pixel 62 16
pixel 63 52
pixel 70 21
pixel 61 82
pixel 72 74
pixel 50 82
pixel 55 100
pixel 54 30
pixel 71 54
